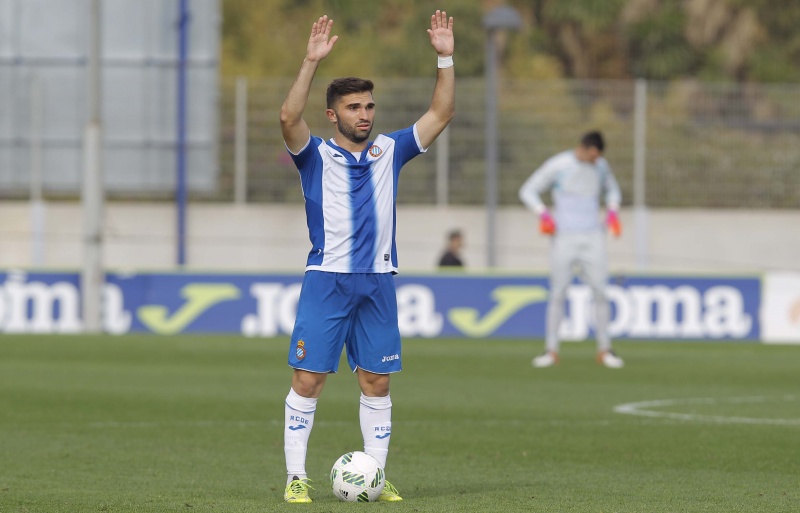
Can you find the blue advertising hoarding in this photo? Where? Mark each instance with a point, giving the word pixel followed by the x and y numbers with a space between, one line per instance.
pixel 256 305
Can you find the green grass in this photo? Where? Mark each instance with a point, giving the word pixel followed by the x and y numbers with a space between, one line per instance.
pixel 152 424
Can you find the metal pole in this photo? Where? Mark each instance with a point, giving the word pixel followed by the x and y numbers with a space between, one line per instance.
pixel 639 174
pixel 37 202
pixel 443 167
pixel 92 279
pixel 240 143
pixel 503 17
pixel 180 192
pixel 491 146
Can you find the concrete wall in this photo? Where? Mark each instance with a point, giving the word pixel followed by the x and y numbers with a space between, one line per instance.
pixel 141 236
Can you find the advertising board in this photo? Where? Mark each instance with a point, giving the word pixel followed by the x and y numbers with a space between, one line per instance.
pixel 255 305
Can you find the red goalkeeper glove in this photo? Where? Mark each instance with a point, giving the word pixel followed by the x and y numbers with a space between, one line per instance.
pixel 547 225
pixel 612 221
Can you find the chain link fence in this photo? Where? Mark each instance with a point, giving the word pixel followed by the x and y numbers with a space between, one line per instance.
pixel 705 145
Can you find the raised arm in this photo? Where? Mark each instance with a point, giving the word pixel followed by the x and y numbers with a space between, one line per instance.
pixel 443 104
pixel 294 128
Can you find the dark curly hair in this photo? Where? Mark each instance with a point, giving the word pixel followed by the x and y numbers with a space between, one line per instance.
pixel 348 85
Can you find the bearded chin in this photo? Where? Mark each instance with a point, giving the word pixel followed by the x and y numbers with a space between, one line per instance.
pixel 351 135
pixel 360 138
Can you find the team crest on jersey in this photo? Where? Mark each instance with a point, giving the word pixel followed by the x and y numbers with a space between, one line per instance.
pixel 375 151
pixel 300 352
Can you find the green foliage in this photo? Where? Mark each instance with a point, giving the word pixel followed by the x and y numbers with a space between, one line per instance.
pixel 658 49
pixel 592 15
pixel 406 51
pixel 572 38
pixel 773 64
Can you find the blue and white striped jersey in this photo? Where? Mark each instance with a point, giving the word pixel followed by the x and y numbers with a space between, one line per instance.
pixel 351 201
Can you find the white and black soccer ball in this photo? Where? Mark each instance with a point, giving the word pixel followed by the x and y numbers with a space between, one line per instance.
pixel 357 477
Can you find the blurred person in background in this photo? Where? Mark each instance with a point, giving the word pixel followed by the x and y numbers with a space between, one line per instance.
pixel 578 179
pixel 348 296
pixel 452 254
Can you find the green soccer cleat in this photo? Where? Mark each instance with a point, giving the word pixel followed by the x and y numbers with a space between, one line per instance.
pixel 389 493
pixel 297 491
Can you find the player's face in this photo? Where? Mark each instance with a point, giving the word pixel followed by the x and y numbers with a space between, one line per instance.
pixel 589 154
pixel 593 154
pixel 353 115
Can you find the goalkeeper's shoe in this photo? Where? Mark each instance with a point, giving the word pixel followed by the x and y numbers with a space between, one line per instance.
pixel 610 360
pixel 297 491
pixel 546 359
pixel 389 493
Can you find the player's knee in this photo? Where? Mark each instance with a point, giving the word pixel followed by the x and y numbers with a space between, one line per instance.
pixel 376 389
pixel 308 384
pixel 375 385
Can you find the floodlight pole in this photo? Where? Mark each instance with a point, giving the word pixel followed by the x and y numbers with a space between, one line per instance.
pixel 92 276
pixel 502 17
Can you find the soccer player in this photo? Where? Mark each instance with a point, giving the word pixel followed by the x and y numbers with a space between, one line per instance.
pixel 348 295
pixel 577 179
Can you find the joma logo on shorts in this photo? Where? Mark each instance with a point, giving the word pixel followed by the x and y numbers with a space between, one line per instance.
pixel 390 358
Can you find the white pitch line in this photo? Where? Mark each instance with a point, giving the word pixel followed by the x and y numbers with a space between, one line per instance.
pixel 645 409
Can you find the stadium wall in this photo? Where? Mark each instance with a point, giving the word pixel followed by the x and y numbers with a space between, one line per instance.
pixel 269 238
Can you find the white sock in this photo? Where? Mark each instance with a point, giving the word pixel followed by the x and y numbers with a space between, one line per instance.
pixel 375 414
pixel 298 421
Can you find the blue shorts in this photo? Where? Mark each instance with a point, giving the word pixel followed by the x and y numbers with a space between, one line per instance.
pixel 356 311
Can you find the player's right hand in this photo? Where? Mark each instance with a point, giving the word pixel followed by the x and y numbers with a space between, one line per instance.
pixel 547 225
pixel 320 43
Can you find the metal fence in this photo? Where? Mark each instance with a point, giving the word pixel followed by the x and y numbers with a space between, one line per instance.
pixel 698 145
pixel 701 145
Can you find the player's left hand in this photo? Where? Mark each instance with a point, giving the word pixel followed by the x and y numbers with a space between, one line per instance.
pixel 613 223
pixel 441 34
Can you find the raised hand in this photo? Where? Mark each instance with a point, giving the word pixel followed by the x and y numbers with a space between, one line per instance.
pixel 441 34
pixel 320 43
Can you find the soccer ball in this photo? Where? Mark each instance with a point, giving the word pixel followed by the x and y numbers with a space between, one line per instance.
pixel 357 476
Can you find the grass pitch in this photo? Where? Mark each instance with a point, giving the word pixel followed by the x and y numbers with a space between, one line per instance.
pixel 191 424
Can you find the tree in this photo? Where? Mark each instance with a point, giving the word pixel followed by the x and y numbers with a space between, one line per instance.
pixel 729 40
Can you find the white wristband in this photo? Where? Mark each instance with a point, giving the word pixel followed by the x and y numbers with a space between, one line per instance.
pixel 446 62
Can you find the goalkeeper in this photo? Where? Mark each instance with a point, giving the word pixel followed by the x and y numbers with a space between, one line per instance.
pixel 577 179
